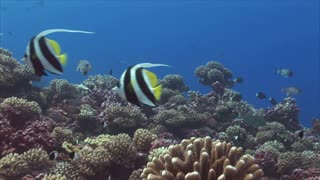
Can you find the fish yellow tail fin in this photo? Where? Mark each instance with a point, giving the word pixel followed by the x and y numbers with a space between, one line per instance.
pixel 63 58
pixel 157 92
pixel 55 45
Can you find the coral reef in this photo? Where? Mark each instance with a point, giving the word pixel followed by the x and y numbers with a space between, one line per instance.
pixel 94 134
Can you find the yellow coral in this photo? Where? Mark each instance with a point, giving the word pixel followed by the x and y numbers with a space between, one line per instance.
pixel 22 105
pixel 200 158
pixel 14 165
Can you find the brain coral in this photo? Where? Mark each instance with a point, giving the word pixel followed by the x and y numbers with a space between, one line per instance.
pixel 203 158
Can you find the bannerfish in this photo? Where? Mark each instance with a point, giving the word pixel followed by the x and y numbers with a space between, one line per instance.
pixel 261 95
pixel 284 72
pixel 273 101
pixel 45 54
pixel 291 90
pixel 138 85
pixel 238 80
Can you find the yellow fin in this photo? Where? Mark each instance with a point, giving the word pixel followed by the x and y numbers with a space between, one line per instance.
pixel 152 78
pixel 157 91
pixel 55 45
pixel 63 58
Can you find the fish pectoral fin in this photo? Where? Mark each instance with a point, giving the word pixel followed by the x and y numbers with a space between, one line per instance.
pixel 55 45
pixel 63 58
pixel 152 78
pixel 157 92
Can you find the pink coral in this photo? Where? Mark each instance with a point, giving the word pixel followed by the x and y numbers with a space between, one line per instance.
pixel 36 134
pixel 267 162
pixel 308 174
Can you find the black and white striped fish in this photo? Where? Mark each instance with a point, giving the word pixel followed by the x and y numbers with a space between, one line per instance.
pixel 138 85
pixel 45 54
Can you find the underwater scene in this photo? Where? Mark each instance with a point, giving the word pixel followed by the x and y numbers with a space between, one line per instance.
pixel 159 90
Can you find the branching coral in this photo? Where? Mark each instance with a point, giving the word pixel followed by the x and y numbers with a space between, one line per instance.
pixel 203 159
pixel 15 165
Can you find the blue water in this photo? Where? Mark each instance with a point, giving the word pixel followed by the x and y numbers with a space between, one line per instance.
pixel 254 38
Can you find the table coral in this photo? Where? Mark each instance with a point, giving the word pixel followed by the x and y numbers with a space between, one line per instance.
pixel 202 158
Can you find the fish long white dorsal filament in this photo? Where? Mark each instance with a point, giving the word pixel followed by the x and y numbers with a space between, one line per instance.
pixel 49 31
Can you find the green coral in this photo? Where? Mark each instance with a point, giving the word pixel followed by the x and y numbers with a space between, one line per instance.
pixel 100 82
pixel 174 82
pixel 62 135
pixel 288 161
pixel 124 118
pixel 302 145
pixel 237 134
pixel 272 147
pixel 214 71
pixel 181 116
pixel 14 165
pixel 60 89
pixel 98 141
pixel 142 139
pixel 155 153
pixel 24 106
pixel 87 112
pixel 54 177
pixel 310 159
pixel 121 150
pixel 90 162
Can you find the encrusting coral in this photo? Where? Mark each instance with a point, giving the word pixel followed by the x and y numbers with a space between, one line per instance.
pixel 202 158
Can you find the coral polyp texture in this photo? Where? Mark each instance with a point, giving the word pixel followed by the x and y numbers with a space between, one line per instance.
pixel 202 158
